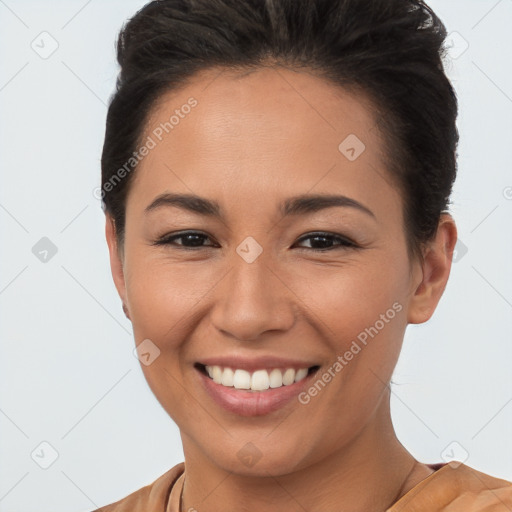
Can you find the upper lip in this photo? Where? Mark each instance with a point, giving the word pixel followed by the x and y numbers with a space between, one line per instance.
pixel 256 363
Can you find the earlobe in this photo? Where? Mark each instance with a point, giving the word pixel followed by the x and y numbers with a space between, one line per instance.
pixel 116 261
pixel 126 312
pixel 435 267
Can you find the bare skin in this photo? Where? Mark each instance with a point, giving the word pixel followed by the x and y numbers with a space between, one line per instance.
pixel 252 142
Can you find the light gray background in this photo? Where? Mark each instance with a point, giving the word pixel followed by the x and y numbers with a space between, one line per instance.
pixel 68 376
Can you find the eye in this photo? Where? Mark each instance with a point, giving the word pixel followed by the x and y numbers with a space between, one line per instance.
pixel 324 241
pixel 319 242
pixel 190 240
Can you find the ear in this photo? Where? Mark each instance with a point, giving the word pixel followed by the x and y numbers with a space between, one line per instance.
pixel 434 272
pixel 116 261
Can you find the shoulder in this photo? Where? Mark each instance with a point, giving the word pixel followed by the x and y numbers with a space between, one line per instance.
pixel 458 487
pixel 151 497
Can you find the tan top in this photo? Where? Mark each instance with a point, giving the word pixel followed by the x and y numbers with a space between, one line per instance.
pixel 432 494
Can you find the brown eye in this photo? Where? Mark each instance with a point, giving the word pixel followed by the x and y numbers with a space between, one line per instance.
pixel 327 241
pixel 318 241
pixel 190 240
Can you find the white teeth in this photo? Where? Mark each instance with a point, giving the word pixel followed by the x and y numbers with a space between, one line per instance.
pixel 260 380
pixel 276 378
pixel 301 374
pixel 288 377
pixel 241 379
pixel 217 374
pixel 227 377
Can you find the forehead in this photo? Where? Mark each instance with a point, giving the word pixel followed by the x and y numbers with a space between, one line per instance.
pixel 269 128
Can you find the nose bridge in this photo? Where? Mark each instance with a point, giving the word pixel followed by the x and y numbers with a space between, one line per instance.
pixel 251 299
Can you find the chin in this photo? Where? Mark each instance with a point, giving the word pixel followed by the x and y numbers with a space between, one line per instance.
pixel 261 456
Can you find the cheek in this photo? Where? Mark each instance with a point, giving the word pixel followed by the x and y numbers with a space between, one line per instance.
pixel 161 299
pixel 342 297
pixel 353 296
pixel 162 295
pixel 360 310
pixel 361 313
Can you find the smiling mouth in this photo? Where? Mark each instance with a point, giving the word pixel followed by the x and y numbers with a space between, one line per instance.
pixel 256 381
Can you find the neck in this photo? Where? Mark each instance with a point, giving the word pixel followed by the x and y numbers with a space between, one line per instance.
pixel 369 474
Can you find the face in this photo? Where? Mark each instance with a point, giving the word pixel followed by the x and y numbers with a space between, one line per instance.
pixel 260 277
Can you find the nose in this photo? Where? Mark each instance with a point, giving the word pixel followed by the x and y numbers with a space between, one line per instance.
pixel 251 300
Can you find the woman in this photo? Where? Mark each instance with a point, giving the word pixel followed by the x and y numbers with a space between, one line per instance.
pixel 275 177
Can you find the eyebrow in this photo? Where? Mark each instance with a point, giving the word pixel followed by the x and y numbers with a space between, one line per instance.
pixel 298 205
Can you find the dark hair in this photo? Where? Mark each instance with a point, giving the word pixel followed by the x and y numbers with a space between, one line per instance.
pixel 390 50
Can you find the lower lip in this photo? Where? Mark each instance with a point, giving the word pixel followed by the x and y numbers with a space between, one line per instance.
pixel 253 403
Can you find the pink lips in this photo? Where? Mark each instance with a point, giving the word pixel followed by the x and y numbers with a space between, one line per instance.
pixel 253 403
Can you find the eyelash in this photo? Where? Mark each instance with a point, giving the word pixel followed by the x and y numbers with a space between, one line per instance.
pixel 345 243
